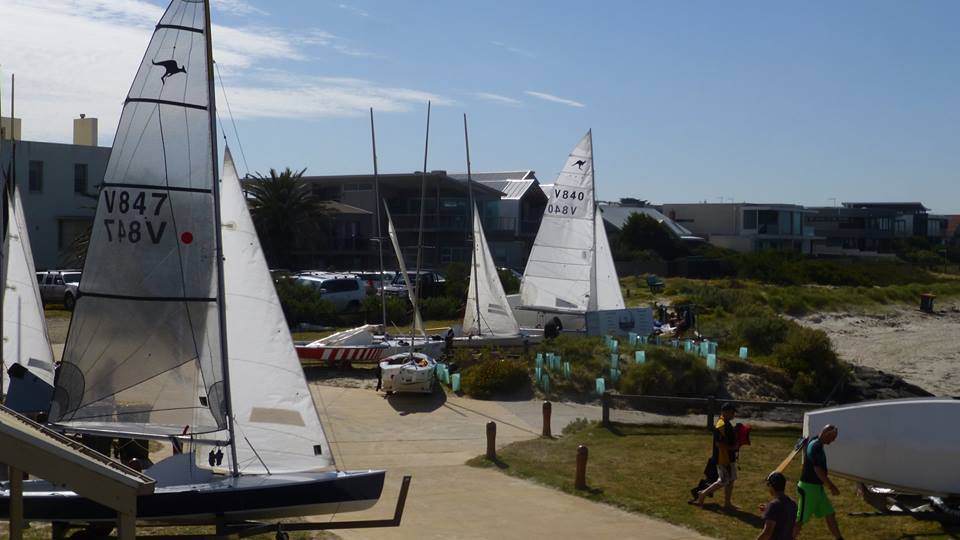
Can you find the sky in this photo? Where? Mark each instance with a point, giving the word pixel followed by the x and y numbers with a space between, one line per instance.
pixel 812 102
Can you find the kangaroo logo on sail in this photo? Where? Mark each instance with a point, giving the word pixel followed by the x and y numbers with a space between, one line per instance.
pixel 171 68
pixel 132 211
pixel 566 202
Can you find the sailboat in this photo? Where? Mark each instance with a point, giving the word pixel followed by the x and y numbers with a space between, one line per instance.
pixel 27 355
pixel 570 271
pixel 178 334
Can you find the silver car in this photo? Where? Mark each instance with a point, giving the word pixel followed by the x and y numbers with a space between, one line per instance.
pixel 59 287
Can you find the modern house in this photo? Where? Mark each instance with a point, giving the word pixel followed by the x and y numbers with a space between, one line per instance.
pixel 447 230
pixel 910 218
pixel 616 215
pixel 511 226
pixel 852 232
pixel 745 227
pixel 59 186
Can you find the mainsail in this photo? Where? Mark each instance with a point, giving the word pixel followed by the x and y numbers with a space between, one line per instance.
pixel 417 321
pixel 25 339
pixel 495 316
pixel 570 269
pixel 143 354
pixel 275 420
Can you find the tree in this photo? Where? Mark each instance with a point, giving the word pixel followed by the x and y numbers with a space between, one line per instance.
pixel 641 232
pixel 286 215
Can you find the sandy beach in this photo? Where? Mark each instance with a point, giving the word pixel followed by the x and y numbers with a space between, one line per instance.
pixel 922 348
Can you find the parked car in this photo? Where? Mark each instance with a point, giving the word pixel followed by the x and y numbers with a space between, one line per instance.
pixel 59 287
pixel 343 290
pixel 431 284
pixel 374 279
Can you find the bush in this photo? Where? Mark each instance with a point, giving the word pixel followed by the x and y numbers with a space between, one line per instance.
pixel 807 356
pixel 440 308
pixel 511 284
pixel 651 378
pixel 492 377
pixel 669 372
pixel 303 304
pixel 398 311
pixel 457 276
pixel 760 330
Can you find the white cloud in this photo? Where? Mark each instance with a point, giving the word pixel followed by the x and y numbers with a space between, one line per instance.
pixel 496 98
pixel 354 10
pixel 80 56
pixel 515 50
pixel 238 7
pixel 555 99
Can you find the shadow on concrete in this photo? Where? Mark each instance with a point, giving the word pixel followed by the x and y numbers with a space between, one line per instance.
pixel 416 403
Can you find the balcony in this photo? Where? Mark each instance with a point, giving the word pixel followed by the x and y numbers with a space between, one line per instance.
pixel 431 222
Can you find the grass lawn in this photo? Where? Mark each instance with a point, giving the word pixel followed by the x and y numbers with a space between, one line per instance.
pixel 650 469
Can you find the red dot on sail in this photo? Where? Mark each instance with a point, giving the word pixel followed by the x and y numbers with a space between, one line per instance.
pixel 186 237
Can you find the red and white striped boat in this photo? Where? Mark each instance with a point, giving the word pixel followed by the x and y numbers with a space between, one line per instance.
pixel 362 345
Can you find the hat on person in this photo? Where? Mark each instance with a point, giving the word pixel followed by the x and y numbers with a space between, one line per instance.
pixel 728 407
pixel 777 481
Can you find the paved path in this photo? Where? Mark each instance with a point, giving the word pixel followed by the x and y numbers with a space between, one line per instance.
pixel 431 438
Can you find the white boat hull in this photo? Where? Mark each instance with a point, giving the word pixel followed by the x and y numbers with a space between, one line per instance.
pixel 903 444
pixel 532 338
pixel 408 373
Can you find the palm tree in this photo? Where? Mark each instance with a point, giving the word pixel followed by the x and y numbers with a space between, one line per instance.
pixel 286 214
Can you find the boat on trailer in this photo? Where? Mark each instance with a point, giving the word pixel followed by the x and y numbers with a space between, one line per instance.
pixel 179 356
pixel 903 452
pixel 409 372
pixel 365 344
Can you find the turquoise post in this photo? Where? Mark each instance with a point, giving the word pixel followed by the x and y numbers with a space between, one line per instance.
pixel 712 361
pixel 743 353
pixel 640 357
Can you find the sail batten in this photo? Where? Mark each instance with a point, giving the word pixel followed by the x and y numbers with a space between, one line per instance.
pixel 144 344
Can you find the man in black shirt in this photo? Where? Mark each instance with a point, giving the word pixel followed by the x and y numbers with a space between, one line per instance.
pixel 813 498
pixel 779 514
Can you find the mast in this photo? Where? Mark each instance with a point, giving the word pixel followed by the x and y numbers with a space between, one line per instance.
pixel 376 198
pixel 473 212
pixel 593 270
pixel 221 309
pixel 423 195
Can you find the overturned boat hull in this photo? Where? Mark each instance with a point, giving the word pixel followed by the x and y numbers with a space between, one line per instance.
pixel 406 372
pixel 904 444
pixel 233 498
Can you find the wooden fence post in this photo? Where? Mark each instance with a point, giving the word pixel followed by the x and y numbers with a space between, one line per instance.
pixel 492 441
pixel 605 402
pixel 581 480
pixel 711 408
pixel 547 410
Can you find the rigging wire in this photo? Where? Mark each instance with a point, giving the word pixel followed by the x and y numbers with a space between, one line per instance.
pixel 223 90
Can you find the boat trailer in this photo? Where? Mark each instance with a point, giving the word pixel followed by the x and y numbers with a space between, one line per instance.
pixel 246 529
pixel 890 502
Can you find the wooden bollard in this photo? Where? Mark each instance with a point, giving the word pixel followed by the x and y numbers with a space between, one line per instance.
pixel 547 410
pixel 581 481
pixel 492 441
pixel 605 403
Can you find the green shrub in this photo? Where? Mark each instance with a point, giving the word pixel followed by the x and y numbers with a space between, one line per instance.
pixel 303 304
pixel 492 377
pixel 440 308
pixel 668 372
pixel 457 279
pixel 760 330
pixel 652 378
pixel 398 310
pixel 808 357
pixel 511 284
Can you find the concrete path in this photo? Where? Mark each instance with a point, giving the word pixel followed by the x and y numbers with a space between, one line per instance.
pixel 431 438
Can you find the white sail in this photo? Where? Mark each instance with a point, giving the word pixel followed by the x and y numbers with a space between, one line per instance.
pixel 275 420
pixel 144 336
pixel 608 294
pixel 25 339
pixel 417 321
pixel 559 276
pixel 495 316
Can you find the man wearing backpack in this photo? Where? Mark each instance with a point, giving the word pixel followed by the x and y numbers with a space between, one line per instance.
pixel 813 500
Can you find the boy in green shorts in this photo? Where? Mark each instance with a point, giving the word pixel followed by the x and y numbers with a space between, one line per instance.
pixel 813 500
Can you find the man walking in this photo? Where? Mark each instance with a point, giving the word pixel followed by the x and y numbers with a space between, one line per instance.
pixel 813 500
pixel 725 455
pixel 780 514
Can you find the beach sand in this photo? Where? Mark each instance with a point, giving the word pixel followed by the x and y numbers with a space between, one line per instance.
pixel 922 348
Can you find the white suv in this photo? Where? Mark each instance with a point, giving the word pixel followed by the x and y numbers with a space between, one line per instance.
pixel 59 286
pixel 344 291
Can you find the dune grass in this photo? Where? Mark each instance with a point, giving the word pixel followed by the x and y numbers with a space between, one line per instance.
pixel 650 469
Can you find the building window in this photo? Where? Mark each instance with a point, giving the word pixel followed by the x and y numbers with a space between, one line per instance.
pixel 80 178
pixel 36 176
pixel 750 220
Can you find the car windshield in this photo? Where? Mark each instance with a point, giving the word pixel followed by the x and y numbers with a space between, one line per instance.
pixel 71 278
